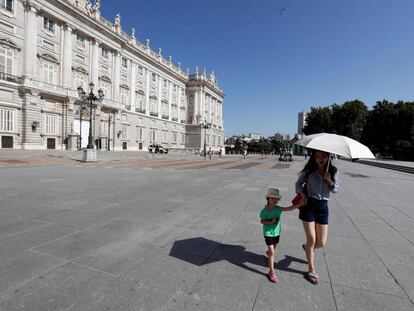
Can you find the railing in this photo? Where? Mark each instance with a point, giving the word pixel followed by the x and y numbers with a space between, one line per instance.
pixel 164 116
pixel 182 121
pixel 154 114
pixel 10 78
pixel 127 37
pixel 174 119
pixel 139 110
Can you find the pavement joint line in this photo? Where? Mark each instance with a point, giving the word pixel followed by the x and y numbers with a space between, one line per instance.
pixel 376 254
pixel 257 293
pixel 372 291
pixel 72 262
pixel 13 288
pixel 93 269
pixel 23 231
pixel 386 222
pixel 330 279
pixel 403 213
pixel 61 237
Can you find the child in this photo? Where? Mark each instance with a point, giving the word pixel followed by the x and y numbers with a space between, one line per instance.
pixel 270 219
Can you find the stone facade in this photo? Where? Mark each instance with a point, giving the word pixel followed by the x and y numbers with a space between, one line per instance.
pixel 50 47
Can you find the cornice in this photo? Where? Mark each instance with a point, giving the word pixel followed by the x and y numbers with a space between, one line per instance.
pixel 9 43
pixel 49 57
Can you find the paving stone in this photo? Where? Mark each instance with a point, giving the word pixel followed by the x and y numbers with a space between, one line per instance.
pixel 364 274
pixel 353 299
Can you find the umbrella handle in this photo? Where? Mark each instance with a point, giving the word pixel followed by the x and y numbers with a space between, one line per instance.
pixel 329 162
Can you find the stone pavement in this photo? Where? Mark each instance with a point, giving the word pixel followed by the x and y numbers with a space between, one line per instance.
pixel 169 235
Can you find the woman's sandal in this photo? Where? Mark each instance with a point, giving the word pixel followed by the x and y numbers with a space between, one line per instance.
pixel 312 277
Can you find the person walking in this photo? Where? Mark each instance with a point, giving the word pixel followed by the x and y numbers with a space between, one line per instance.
pixel 316 182
pixel 270 219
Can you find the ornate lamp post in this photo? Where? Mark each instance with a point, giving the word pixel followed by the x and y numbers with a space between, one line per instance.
pixel 82 108
pixel 205 125
pixel 91 98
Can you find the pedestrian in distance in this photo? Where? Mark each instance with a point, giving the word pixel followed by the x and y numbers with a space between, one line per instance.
pixel 270 219
pixel 306 155
pixel 220 152
pixel 318 179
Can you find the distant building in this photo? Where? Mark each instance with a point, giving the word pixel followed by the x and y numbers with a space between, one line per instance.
pixel 281 136
pixel 255 136
pixel 301 122
pixel 278 137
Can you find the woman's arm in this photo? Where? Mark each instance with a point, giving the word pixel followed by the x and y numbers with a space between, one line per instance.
pixel 333 183
pixel 299 183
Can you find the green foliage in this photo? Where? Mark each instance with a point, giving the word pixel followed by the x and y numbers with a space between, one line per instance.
pixel 347 119
pixel 318 120
pixel 387 129
pixel 390 129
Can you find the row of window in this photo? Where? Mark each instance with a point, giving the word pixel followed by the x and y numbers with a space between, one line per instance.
pixel 8 122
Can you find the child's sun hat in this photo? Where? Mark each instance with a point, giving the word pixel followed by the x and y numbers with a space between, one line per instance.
pixel 273 193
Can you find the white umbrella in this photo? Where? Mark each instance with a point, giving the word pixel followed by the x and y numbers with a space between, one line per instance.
pixel 337 144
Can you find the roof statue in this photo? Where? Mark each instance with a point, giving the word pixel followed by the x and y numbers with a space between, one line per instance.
pixel 117 22
pixel 97 4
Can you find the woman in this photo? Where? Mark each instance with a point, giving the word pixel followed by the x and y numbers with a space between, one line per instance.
pixel 315 183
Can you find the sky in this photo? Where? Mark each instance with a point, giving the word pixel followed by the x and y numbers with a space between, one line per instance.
pixel 275 58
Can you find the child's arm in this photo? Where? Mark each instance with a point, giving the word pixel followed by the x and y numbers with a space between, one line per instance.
pixel 269 221
pixel 290 208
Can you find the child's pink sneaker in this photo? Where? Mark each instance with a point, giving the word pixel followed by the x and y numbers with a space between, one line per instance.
pixel 272 277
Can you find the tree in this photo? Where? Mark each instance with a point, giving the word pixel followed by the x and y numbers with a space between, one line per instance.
pixel 390 129
pixel 349 118
pixel 318 120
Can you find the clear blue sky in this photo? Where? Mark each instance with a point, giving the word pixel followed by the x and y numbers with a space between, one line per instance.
pixel 275 58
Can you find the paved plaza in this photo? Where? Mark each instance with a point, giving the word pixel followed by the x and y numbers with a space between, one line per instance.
pixel 176 232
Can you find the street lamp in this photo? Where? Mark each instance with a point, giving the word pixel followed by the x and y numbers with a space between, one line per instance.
pixel 205 125
pixel 82 108
pixel 91 98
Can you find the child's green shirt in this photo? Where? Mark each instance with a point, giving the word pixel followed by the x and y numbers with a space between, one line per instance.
pixel 274 229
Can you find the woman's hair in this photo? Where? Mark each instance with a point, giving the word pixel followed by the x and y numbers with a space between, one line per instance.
pixel 311 166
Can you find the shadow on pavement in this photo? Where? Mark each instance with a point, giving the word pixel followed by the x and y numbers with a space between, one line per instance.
pixel 201 251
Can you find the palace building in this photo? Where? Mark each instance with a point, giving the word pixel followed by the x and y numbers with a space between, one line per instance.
pixel 48 48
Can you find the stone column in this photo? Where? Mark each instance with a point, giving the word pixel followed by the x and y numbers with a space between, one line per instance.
pixel 95 63
pixel 159 95
pixel 67 57
pixel 203 105
pixel 116 75
pixel 30 40
pixel 169 90
pixel 195 107
pixel 147 91
pixel 133 84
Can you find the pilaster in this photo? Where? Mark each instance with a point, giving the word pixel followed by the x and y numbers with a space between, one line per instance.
pixel 30 40
pixel 133 84
pixel 67 57
pixel 116 75
pixel 159 96
pixel 95 63
pixel 147 91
